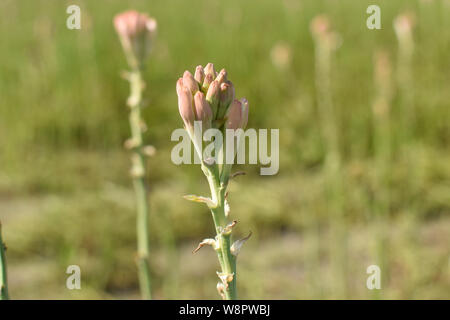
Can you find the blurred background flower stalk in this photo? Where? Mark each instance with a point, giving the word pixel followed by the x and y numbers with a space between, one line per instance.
pixel 381 173
pixel 403 27
pixel 326 43
pixel 136 33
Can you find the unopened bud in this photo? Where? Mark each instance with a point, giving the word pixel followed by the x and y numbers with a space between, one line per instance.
pixel 185 104
pixel 189 82
pixel 234 115
pixel 208 80
pixel 203 110
pixel 222 77
pixel 226 93
pixel 226 97
pixel 403 24
pixel 320 25
pixel 199 75
pixel 136 32
pixel 209 69
pixel 237 116
pixel 212 96
pixel 323 34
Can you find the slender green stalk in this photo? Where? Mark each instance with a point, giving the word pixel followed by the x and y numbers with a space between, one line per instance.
pixel 223 231
pixel 215 107
pixel 138 172
pixel 382 150
pixel 326 42
pixel 136 32
pixel 3 274
pixel 403 26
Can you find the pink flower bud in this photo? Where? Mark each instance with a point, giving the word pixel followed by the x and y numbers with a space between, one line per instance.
pixel 234 115
pixel 237 115
pixel 208 79
pixel 185 104
pixel 321 31
pixel 189 82
pixel 136 32
pixel 222 77
pixel 203 111
pixel 403 24
pixel 226 93
pixel 199 75
pixel 209 69
pixel 212 96
pixel 179 86
pixel 226 97
pixel 320 25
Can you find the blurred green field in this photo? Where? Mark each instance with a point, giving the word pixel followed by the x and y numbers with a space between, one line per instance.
pixel 66 196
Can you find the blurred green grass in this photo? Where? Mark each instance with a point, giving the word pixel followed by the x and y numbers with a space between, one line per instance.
pixel 65 194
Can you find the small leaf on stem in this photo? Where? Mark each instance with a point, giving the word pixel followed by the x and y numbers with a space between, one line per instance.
pixel 221 289
pixel 149 150
pixel 237 245
pixel 130 144
pixel 195 198
pixel 210 242
pixel 226 207
pixel 227 230
pixel 225 278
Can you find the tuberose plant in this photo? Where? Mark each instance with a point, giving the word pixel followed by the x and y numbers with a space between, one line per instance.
pixel 403 27
pixel 326 42
pixel 208 98
pixel 381 110
pixel 136 32
pixel 3 275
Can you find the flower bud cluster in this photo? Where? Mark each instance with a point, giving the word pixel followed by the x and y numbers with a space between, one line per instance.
pixel 208 96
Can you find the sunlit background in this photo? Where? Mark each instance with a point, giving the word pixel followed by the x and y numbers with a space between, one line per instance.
pixel 66 197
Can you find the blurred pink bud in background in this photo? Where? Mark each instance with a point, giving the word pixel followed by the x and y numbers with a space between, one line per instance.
pixel 136 32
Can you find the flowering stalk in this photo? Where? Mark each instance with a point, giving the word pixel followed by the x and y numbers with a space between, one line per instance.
pixel 325 44
pixel 403 27
pixel 136 32
pixel 382 148
pixel 207 99
pixel 327 41
pixel 3 275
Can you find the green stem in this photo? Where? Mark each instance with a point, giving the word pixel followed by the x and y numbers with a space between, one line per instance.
pixel 226 259
pixel 138 173
pixel 3 275
pixel 382 154
pixel 333 159
pixel 406 87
